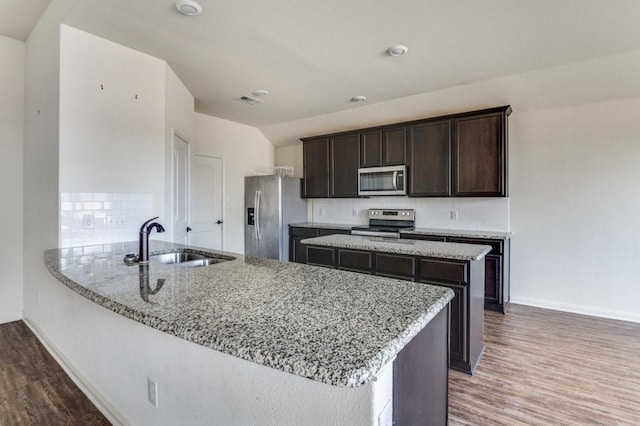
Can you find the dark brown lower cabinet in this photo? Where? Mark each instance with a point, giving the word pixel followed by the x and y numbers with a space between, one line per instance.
pixel 466 333
pixel 297 250
pixel 465 278
pixel 420 377
pixel 496 264
pixel 395 266
pixel 321 256
pixel 355 260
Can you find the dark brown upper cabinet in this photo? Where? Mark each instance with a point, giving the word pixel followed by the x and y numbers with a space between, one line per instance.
pixel 480 154
pixel 383 147
pixel 458 155
pixel 429 159
pixel 315 158
pixel 343 170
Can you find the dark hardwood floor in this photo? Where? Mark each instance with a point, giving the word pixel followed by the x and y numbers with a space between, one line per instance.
pixel 34 390
pixel 544 367
pixel 540 367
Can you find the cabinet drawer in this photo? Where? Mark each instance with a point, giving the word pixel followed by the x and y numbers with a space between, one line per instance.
pixel 496 245
pixel 395 266
pixel 354 260
pixel 443 271
pixel 304 232
pixel 324 231
pixel 423 237
pixel 322 256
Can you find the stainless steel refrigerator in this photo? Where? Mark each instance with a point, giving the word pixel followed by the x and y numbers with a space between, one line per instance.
pixel 271 203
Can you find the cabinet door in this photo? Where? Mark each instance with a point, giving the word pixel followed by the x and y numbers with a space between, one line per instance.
pixel 355 260
pixel 395 266
pixel 479 160
pixel 321 256
pixel 316 168
pixel 394 146
pixel 371 149
pixel 429 156
pixel 297 250
pixel 493 279
pixel 345 161
pixel 458 353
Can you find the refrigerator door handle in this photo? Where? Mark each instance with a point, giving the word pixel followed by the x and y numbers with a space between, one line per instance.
pixel 258 196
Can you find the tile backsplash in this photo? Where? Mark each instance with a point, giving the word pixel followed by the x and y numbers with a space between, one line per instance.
pixel 477 214
pixel 101 218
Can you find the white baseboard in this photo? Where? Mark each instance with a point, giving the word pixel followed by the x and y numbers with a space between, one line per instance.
pixel 578 309
pixel 10 317
pixel 108 410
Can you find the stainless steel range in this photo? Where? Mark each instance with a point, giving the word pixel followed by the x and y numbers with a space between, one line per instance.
pixel 387 223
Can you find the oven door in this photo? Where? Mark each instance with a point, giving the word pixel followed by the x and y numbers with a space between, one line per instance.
pixel 382 181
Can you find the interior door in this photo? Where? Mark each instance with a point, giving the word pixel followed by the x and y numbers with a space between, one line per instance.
pixel 206 202
pixel 180 190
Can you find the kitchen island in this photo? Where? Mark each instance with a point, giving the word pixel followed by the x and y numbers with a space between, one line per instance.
pixel 458 266
pixel 343 341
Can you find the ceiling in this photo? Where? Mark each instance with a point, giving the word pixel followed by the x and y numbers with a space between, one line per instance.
pixel 17 18
pixel 313 57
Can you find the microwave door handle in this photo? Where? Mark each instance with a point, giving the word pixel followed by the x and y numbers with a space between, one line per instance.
pixel 395 180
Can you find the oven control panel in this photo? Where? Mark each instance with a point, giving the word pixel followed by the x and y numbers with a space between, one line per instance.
pixel 390 214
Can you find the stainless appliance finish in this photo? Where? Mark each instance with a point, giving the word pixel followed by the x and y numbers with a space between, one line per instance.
pixel 387 223
pixel 271 204
pixel 390 180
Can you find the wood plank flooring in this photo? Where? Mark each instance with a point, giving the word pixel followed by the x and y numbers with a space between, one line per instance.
pixel 544 367
pixel 34 389
pixel 540 367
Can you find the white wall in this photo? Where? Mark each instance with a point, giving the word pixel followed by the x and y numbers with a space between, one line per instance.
pixel 290 156
pixel 112 139
pixel 575 198
pixel 474 214
pixel 12 57
pixel 245 152
pixel 42 83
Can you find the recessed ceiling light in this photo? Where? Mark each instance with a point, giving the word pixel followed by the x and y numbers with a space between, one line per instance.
pixel 398 50
pixel 188 7
pixel 261 92
pixel 359 98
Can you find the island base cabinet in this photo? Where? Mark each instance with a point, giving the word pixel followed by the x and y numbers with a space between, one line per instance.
pixel 421 377
pixel 467 307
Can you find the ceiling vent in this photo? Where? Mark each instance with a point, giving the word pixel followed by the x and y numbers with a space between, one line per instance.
pixel 249 100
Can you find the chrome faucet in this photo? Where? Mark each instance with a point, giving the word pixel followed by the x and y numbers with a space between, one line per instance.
pixel 145 230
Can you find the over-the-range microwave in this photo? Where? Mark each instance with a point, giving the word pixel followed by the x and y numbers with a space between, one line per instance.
pixel 389 180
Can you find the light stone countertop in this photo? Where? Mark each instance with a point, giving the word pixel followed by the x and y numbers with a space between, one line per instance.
pixel 331 326
pixel 438 249
pixel 341 226
pixel 495 235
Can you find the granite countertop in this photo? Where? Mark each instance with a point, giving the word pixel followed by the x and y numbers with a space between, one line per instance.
pixel 331 326
pixel 342 226
pixel 496 235
pixel 443 250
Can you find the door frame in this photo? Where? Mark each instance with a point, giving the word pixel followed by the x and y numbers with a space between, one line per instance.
pixel 174 134
pixel 223 194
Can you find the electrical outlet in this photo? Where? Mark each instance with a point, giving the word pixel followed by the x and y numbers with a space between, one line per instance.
pixel 454 215
pixel 38 296
pixel 87 221
pixel 152 391
pixel 354 212
pixel 321 211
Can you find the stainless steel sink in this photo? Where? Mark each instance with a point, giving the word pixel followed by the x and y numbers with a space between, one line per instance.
pixel 186 259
